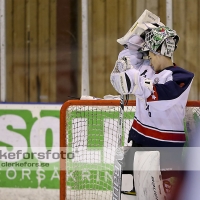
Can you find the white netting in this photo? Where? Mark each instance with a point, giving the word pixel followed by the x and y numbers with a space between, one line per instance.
pixel 91 134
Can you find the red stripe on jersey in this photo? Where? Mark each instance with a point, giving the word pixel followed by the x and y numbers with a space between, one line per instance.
pixel 153 96
pixel 157 134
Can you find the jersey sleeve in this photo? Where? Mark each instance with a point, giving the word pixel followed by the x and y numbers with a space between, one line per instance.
pixel 181 80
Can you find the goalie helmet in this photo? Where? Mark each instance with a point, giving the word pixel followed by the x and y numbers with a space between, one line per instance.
pixel 161 38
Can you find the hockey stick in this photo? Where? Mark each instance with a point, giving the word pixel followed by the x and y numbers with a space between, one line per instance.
pixel 120 124
pixel 119 154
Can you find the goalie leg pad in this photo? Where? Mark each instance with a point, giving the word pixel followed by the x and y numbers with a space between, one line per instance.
pixel 147 175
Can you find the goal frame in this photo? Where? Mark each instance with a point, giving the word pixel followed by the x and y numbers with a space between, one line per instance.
pixel 63 125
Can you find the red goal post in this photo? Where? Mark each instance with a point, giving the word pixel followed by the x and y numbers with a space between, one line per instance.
pixel 94 113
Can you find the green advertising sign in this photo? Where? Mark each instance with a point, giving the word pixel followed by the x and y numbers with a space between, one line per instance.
pixel 29 147
pixel 26 133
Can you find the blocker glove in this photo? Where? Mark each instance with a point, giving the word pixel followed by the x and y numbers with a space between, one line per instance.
pixel 127 80
pixel 124 77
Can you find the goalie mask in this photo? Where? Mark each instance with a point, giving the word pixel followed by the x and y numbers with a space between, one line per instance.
pixel 163 39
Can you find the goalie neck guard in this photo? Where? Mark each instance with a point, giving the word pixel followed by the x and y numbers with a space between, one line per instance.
pixel 161 38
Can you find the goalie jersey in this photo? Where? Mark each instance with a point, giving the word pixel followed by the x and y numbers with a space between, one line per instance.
pixel 160 110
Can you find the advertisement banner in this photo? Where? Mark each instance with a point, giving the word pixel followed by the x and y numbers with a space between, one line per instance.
pixel 29 147
pixel 27 133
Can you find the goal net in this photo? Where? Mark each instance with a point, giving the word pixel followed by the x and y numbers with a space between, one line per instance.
pixel 89 138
